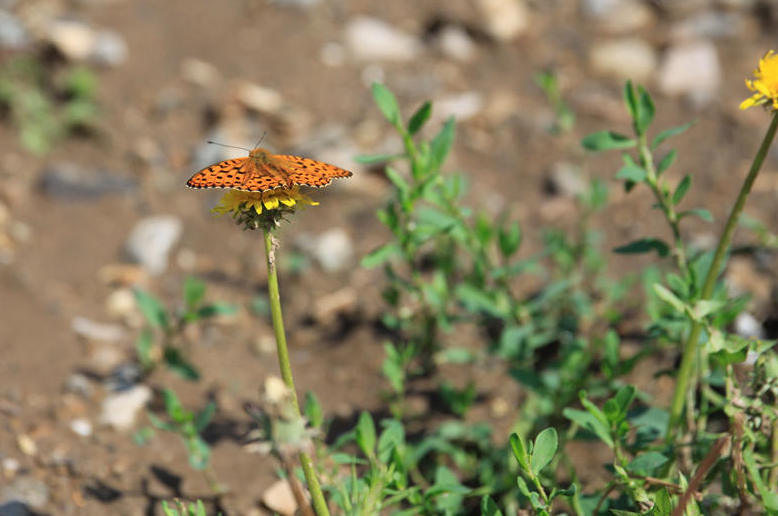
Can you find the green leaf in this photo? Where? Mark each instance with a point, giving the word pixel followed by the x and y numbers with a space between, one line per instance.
pixel 204 417
pixel 666 162
pixel 509 239
pixel 646 464
pixel 214 309
pixel 387 103
pixel 630 100
pixel 520 451
pixel 199 453
pixel 143 346
pixel 645 111
pixel 545 447
pixel 591 423
pixel 607 140
pixel 769 497
pixel 523 488
pixel 476 300
pixel 441 144
pixel 151 309
pixel 633 173
pixel 392 437
pixel 398 181
pixel 668 133
pixel 419 118
pixel 668 297
pixel 699 212
pixel 179 365
pixel 380 255
pixel 365 434
pixel 644 245
pixel 489 508
pixel 371 159
pixel 312 410
pixel 681 189
pixel 194 290
pixel 173 407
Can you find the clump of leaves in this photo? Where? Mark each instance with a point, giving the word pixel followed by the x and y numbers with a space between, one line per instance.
pixel 45 107
pixel 161 340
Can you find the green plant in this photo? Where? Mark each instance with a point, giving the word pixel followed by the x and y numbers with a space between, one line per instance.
pixel 182 509
pixel 44 106
pixel 564 116
pixel 163 337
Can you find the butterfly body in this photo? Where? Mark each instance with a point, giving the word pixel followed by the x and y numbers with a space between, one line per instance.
pixel 262 170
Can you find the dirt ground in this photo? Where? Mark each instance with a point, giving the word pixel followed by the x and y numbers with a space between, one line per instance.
pixel 154 116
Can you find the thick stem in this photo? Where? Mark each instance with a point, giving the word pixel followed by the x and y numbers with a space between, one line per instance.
pixel 686 370
pixel 319 503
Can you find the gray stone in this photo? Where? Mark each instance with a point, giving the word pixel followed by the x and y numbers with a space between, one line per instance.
pixel 95 331
pixel 619 16
pixel 14 508
pixel 119 409
pixel 27 490
pixel 691 69
pixel 711 24
pixel 626 58
pixel 505 19
pixel 151 240
pixel 371 39
pixel 748 326
pixel 13 34
pixel 71 182
pixel 333 250
pixel 565 179
pixel 454 43
pixel 79 384
pixel 460 105
pixel 108 49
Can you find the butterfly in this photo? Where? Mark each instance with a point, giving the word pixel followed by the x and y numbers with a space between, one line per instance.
pixel 262 170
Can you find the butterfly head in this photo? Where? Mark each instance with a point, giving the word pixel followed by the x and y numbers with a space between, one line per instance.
pixel 260 155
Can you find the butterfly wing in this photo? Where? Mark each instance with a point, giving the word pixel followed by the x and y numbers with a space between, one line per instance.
pixel 309 172
pixel 225 174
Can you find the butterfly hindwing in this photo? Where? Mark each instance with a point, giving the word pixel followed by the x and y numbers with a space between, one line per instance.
pixel 309 172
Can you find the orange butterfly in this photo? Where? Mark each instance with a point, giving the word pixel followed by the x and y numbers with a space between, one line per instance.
pixel 263 170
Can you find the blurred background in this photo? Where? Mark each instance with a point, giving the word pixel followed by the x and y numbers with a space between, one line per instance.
pixel 105 110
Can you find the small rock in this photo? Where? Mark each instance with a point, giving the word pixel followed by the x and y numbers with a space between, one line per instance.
pixel 371 39
pixel 711 24
pixel 103 358
pixel 13 35
pixel 327 307
pixel 95 331
pixel 499 407
pixel 505 19
pixel 151 240
pixel 258 98
pixel 122 274
pixel 79 384
pixel 109 49
pixel 691 69
pixel 333 250
pixel 120 409
pixel 26 445
pixel 200 73
pixel 748 326
pixel 454 43
pixel 72 182
pixel 332 54
pixel 123 377
pixel 461 106
pixel 14 508
pixel 81 427
pixel 74 39
pixel 280 498
pixel 565 179
pixel 628 58
pixel 121 304
pixel 619 16
pixel 10 467
pixel 27 490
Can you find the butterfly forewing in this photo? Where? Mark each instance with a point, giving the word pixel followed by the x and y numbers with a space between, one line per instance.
pixel 283 171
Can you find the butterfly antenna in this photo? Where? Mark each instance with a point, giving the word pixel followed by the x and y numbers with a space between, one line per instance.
pixel 260 139
pixel 228 146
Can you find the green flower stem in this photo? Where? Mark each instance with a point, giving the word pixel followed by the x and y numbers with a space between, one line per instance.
pixel 685 372
pixel 319 503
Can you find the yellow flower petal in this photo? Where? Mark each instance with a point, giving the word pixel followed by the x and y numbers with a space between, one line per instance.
pixel 765 83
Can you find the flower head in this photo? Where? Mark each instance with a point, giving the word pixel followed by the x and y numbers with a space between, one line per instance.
pixel 765 83
pixel 262 209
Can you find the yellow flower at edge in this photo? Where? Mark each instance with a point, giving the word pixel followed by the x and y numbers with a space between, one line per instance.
pixel 238 201
pixel 765 83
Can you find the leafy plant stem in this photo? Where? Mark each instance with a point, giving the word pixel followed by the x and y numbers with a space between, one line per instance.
pixel 689 350
pixel 319 503
pixel 665 203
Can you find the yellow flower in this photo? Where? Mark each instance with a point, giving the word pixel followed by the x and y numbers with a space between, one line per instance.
pixel 765 83
pixel 238 201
